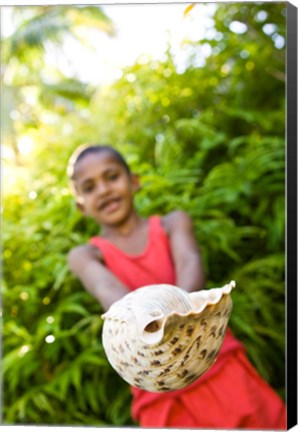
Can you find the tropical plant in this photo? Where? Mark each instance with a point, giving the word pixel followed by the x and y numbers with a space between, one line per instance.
pixel 28 81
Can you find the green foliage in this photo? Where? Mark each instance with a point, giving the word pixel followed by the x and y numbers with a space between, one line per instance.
pixel 43 23
pixel 209 140
pixel 52 334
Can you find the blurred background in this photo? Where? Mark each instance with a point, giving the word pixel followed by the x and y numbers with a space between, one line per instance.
pixel 194 96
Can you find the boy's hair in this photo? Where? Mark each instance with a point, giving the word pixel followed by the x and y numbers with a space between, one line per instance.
pixel 85 149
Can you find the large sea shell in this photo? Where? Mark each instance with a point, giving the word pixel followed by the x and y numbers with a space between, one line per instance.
pixel 161 338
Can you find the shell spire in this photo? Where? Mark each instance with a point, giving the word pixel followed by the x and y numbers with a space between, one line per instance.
pixel 162 338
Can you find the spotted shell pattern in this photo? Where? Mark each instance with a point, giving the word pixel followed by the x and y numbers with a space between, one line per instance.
pixel 160 338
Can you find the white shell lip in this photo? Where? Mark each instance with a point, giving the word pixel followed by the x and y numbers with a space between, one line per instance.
pixel 151 326
pixel 201 300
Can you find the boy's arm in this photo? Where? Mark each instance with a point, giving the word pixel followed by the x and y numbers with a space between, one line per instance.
pixel 185 251
pixel 85 262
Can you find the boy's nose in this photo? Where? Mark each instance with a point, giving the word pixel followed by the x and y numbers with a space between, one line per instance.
pixel 102 188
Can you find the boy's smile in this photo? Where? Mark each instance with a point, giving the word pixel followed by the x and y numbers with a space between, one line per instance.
pixel 110 205
pixel 105 189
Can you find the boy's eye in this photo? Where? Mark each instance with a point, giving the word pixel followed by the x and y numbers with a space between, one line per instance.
pixel 113 177
pixel 87 189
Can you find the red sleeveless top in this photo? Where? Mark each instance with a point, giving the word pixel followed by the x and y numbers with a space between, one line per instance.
pixel 153 266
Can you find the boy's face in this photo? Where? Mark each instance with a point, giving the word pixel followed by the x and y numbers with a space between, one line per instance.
pixel 104 188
